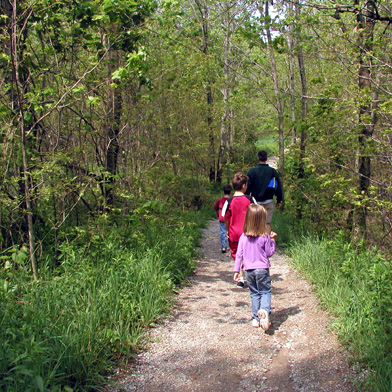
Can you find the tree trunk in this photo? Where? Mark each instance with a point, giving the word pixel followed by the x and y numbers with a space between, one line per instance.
pixel 304 115
pixel 204 13
pixel 113 132
pixel 290 41
pixel 278 104
pixel 21 86
pixel 211 136
pixel 366 119
pixel 227 116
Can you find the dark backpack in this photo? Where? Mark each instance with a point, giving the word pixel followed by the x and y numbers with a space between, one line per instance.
pixel 228 201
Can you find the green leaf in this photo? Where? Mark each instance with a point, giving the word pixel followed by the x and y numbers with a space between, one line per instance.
pixel 39 383
pixel 93 100
pixel 28 117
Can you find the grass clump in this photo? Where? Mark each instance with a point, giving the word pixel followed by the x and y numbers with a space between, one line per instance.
pixel 356 286
pixel 269 144
pixel 66 331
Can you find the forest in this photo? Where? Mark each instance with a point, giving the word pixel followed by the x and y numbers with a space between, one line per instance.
pixel 121 120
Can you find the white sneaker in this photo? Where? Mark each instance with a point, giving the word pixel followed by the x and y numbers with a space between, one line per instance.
pixel 264 319
pixel 255 323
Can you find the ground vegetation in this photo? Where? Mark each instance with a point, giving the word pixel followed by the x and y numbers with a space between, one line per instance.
pixel 120 122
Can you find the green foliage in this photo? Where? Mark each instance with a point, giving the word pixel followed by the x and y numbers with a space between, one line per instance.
pixel 67 330
pixel 287 227
pixel 268 143
pixel 356 286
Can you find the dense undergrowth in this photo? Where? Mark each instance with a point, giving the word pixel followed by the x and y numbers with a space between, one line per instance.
pixel 91 307
pixel 66 331
pixel 355 285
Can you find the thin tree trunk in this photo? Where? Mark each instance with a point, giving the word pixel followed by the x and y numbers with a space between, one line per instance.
pixel 204 13
pixel 366 118
pixel 290 41
pixel 304 113
pixel 113 132
pixel 226 119
pixel 278 104
pixel 15 52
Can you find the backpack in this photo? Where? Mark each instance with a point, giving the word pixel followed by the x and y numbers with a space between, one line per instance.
pixel 273 184
pixel 228 201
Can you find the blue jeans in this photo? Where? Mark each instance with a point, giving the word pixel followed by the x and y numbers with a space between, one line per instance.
pixel 223 235
pixel 259 283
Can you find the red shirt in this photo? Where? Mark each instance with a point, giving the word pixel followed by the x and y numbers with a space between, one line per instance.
pixel 218 207
pixel 236 212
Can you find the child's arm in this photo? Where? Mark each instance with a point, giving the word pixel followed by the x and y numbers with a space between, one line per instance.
pixel 270 244
pixel 227 224
pixel 239 260
pixel 216 208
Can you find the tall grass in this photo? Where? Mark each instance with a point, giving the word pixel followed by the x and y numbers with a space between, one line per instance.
pixel 287 228
pixel 66 331
pixel 356 287
pixel 268 143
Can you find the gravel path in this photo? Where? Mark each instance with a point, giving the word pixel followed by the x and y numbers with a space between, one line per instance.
pixel 208 344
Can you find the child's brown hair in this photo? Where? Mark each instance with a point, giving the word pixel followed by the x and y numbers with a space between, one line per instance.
pixel 255 221
pixel 239 180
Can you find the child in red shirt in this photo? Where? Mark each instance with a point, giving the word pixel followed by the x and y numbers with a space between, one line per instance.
pixel 234 211
pixel 218 208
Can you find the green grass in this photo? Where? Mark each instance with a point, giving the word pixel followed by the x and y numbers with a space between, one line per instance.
pixel 356 287
pixel 268 143
pixel 287 233
pixel 66 331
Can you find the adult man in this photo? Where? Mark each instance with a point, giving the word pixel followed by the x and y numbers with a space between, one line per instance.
pixel 259 179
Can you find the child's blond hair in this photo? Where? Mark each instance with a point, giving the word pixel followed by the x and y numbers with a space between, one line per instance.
pixel 255 223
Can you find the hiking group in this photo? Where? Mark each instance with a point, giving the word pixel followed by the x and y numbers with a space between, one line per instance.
pixel 245 221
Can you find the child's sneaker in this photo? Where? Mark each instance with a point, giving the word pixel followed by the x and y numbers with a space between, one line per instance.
pixel 223 250
pixel 241 282
pixel 255 323
pixel 264 319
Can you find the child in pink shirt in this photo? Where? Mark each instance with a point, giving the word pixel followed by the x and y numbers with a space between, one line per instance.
pixel 255 246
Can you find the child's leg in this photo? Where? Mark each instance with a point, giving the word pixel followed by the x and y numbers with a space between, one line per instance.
pixel 255 296
pixel 223 235
pixel 233 248
pixel 264 288
pixel 241 279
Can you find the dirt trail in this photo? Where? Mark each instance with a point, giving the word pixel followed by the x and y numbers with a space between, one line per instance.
pixel 208 344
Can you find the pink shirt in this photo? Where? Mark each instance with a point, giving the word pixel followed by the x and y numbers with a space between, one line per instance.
pixel 254 252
